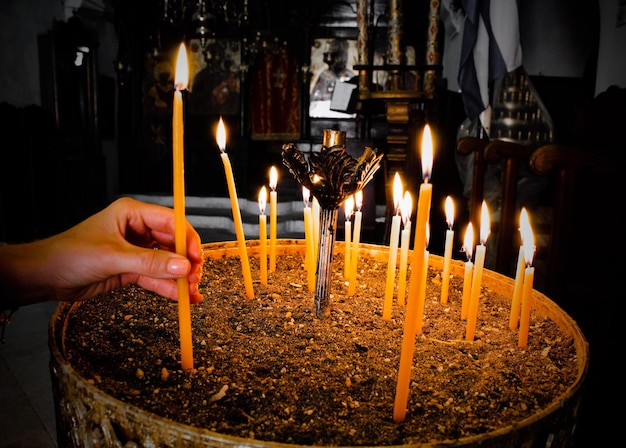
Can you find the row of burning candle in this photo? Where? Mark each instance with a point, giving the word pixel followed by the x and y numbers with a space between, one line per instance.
pixel 522 296
pixel 403 204
pixel 522 293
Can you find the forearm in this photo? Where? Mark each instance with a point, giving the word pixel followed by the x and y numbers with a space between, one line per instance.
pixel 23 275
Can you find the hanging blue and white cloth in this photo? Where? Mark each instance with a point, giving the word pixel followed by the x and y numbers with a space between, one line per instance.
pixel 490 49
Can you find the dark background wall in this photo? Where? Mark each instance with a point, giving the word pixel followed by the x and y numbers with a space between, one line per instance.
pixel 573 50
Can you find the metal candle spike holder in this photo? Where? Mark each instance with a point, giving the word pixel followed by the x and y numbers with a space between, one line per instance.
pixel 339 175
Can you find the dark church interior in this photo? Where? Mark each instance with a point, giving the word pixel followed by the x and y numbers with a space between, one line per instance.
pixel 102 130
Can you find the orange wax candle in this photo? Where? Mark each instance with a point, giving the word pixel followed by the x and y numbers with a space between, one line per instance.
pixel 421 300
pixel 447 252
pixel 309 261
pixel 479 263
pixel 528 242
pixel 393 248
pixel 349 208
pixel 519 280
pixel 468 248
pixel 234 202
pixel 417 264
pixel 527 303
pixel 273 217
pixel 517 290
pixel 356 242
pixel 180 224
pixel 407 206
pixel 474 301
pixel 315 212
pixel 263 236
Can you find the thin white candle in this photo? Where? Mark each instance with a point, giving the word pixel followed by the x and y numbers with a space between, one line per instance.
pixel 406 210
pixel 393 247
pixel 356 242
pixel 273 217
pixel 263 235
pixel 447 253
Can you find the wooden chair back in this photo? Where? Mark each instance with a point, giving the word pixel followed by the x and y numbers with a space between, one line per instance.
pixel 555 217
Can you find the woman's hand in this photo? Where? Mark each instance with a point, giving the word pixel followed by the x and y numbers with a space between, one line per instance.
pixel 111 249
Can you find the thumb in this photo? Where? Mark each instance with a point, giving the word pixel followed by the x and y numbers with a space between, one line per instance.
pixel 158 264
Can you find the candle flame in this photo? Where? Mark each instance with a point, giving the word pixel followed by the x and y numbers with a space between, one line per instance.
pixel 181 78
pixel 449 212
pixel 273 178
pixel 406 208
pixel 397 193
pixel 485 224
pixel 349 207
pixel 468 242
pixel 221 135
pixel 358 199
pixel 528 239
pixel 306 195
pixel 262 199
pixel 427 153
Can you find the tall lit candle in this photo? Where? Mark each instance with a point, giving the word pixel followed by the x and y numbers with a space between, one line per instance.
pixel 309 260
pixel 393 247
pixel 180 225
pixel 447 252
pixel 468 248
pixel 479 262
pixel 273 217
pixel 519 281
pixel 263 235
pixel 406 210
pixel 234 203
pixel 349 209
pixel 356 241
pixel 528 242
pixel 417 264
